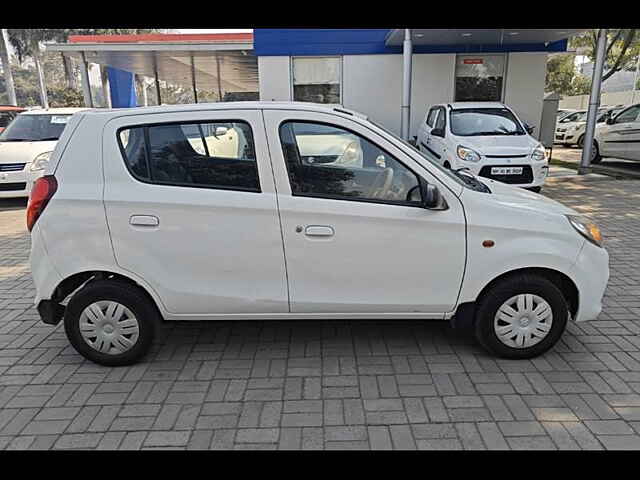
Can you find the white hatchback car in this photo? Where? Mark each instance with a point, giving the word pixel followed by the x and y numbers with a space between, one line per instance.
pixel 486 138
pixel 25 146
pixel 618 136
pixel 315 213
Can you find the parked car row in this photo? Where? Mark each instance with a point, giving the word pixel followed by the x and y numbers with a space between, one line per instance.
pixel 570 128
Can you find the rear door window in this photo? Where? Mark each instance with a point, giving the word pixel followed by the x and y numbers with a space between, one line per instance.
pixel 203 154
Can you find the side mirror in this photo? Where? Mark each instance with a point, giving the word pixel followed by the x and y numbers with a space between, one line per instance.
pixel 432 199
pixel 221 131
pixel 529 128
pixel 610 120
pixel 438 132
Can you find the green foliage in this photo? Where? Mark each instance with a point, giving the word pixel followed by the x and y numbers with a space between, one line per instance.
pixel 563 78
pixel 623 48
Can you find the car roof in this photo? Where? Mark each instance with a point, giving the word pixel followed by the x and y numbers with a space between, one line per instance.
pixel 195 107
pixel 54 111
pixel 462 105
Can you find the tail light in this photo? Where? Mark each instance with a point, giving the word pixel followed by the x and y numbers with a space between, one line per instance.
pixel 42 191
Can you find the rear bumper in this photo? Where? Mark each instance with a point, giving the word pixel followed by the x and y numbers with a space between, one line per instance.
pixel 50 312
pixel 591 274
pixel 45 277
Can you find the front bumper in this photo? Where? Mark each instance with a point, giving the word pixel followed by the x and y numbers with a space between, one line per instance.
pixel 591 274
pixel 16 184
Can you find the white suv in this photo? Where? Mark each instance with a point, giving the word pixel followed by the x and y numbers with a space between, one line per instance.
pixel 487 139
pixel 25 146
pixel 313 213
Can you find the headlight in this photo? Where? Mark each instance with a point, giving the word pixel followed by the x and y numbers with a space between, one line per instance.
pixel 539 153
pixel 40 162
pixel 467 154
pixel 586 228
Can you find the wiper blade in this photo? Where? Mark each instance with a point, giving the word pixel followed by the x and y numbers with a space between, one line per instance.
pixel 16 140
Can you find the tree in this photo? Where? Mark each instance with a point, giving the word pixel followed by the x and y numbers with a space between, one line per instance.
pixel 26 42
pixel 563 78
pixel 623 48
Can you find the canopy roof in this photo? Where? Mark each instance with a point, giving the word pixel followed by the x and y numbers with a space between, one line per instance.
pixel 228 56
pixel 470 36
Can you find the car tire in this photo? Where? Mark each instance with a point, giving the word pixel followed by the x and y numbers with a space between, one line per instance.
pixel 125 330
pixel 536 293
pixel 596 157
pixel 580 143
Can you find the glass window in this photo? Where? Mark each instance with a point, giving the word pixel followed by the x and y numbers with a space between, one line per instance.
pixel 5 118
pixel 479 78
pixel 629 115
pixel 431 117
pixel 331 162
pixel 35 128
pixel 210 154
pixel 441 122
pixel 316 79
pixel 469 122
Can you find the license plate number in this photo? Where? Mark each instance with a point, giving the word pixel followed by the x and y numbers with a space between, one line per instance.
pixel 506 171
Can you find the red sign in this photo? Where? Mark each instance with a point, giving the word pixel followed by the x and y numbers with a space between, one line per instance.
pixel 473 61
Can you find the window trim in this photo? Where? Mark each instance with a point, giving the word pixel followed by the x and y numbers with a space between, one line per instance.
pixel 151 181
pixel 341 76
pixel 400 203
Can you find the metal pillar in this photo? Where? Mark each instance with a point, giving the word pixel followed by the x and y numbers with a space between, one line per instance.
pixel 594 102
pixel 193 80
pixel 6 67
pixel 105 86
pixel 155 76
pixel 635 82
pixel 407 52
pixel 218 75
pixel 86 86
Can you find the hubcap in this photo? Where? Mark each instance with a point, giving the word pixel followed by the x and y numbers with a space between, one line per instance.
pixel 523 321
pixel 109 327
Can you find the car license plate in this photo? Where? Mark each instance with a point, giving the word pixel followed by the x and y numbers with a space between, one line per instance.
pixel 506 171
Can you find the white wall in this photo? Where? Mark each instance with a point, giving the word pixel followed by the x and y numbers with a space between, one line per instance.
pixel 274 76
pixel 581 102
pixel 372 84
pixel 524 90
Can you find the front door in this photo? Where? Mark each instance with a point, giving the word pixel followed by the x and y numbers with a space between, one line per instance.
pixel 191 208
pixel 356 239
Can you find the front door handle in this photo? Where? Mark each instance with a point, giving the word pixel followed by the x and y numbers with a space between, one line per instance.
pixel 144 220
pixel 319 231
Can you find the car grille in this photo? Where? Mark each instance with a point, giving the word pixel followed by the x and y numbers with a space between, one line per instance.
pixel 12 167
pixel 525 177
pixel 9 187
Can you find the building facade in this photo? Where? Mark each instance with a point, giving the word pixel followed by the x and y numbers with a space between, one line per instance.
pixel 363 70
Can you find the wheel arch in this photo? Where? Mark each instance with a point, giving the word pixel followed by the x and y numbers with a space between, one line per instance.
pixel 78 280
pixel 465 313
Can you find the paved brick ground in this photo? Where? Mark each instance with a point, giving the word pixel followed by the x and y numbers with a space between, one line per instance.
pixel 315 385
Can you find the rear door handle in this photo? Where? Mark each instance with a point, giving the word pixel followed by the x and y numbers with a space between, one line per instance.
pixel 319 231
pixel 144 220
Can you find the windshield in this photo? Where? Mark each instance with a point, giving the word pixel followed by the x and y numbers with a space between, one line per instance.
pixel 475 122
pixel 35 128
pixel 461 177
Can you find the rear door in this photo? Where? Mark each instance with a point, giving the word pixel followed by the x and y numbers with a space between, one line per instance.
pixel 191 207
pixel 622 138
